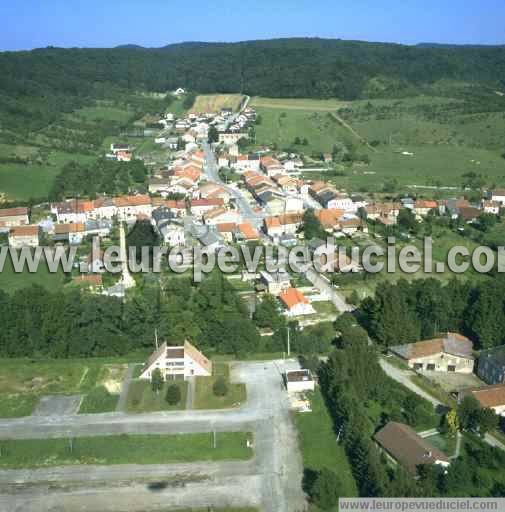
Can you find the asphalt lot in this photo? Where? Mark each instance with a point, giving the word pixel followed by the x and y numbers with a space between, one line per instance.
pixel 271 480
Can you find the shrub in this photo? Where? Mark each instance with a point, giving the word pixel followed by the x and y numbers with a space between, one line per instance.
pixel 173 396
pixel 220 388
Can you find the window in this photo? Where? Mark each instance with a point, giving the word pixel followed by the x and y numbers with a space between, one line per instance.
pixel 430 367
pixel 451 368
pixel 418 366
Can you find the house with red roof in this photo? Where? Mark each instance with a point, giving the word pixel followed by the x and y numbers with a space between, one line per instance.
pixel 295 303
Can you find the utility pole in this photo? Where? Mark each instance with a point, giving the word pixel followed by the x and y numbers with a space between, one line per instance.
pixel 156 337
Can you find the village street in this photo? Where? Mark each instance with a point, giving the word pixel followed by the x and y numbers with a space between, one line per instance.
pixel 272 479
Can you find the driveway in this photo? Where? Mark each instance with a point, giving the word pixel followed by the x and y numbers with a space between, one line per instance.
pixel 403 377
pixel 272 479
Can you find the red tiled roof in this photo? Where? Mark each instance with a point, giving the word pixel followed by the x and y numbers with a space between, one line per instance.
pixel 30 230
pixel 13 212
pixel 292 297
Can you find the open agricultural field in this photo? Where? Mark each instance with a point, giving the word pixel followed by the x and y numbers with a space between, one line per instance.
pixel 215 102
pixel 23 182
pixel 298 104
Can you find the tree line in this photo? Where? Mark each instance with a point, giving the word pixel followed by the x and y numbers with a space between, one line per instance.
pixel 71 323
pixel 362 399
pixel 411 311
pixel 104 176
pixel 37 86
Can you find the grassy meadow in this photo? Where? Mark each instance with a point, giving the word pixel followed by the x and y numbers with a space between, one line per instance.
pixel 124 449
pixel 24 181
pixel 24 381
pixel 319 446
pixel 447 137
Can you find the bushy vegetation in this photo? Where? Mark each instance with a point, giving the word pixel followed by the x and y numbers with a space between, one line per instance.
pixel 410 311
pixel 102 177
pixel 38 322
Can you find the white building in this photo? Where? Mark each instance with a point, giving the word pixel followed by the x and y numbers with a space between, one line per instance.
pixel 299 381
pixel 182 361
pixel 24 236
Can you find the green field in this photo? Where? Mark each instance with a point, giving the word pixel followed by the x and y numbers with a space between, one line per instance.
pixel 298 104
pixel 141 397
pixel 26 181
pixel 11 281
pixel 204 395
pixel 319 446
pixel 320 129
pixel 448 137
pixel 24 381
pixel 124 449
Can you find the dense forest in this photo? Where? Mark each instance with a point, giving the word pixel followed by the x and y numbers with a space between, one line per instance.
pixel 36 86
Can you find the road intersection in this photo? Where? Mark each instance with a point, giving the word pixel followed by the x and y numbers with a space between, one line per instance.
pixel 270 481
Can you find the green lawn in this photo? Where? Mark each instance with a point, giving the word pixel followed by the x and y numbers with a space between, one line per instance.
pixel 124 449
pixel 11 281
pixel 319 446
pixel 204 395
pixel 141 397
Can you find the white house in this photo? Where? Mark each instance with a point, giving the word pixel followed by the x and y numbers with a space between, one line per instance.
pixel 341 202
pixel 129 207
pixel 221 215
pixel 299 381
pixel 182 361
pixel 24 236
pixel 498 195
pixel 172 233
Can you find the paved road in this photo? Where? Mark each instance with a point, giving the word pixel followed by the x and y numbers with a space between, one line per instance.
pixel 272 478
pixel 212 172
